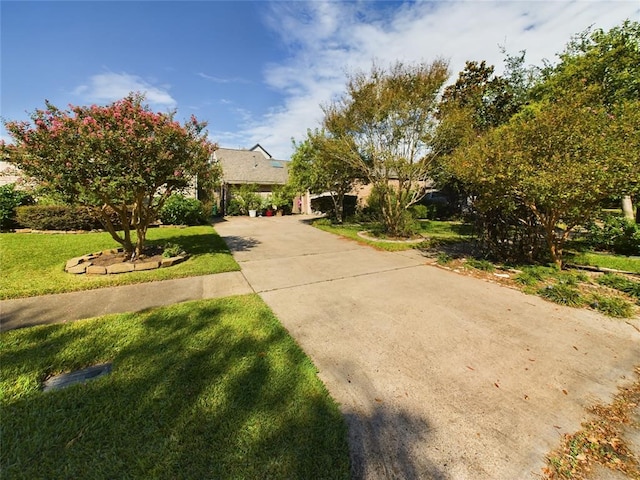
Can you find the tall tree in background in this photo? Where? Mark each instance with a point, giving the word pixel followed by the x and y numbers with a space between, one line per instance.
pixel 603 67
pixel 121 157
pixel 478 101
pixel 385 124
pixel 318 165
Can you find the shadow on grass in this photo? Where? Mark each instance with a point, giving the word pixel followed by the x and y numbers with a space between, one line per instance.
pixel 197 244
pixel 194 393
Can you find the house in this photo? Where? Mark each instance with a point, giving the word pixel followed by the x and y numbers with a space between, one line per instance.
pixel 9 173
pixel 252 166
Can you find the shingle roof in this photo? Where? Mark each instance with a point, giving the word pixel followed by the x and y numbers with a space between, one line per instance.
pixel 246 166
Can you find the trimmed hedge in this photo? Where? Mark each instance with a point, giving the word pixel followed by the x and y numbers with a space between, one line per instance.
pixel 60 217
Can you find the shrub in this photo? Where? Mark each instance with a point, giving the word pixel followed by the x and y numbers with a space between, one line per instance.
pixel 614 234
pixel 612 306
pixel 58 217
pixel 10 199
pixel 323 221
pixel 618 282
pixel 235 208
pixel 282 197
pixel 443 258
pixel 562 294
pixel 420 211
pixel 172 250
pixel 483 265
pixel 179 210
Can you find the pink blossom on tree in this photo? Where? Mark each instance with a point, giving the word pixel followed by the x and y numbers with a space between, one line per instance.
pixel 122 157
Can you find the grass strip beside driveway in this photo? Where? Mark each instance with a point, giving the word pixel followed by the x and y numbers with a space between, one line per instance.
pixel 434 231
pixel 33 264
pixel 206 389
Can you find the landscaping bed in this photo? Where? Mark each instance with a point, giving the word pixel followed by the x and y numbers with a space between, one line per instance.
pixel 35 264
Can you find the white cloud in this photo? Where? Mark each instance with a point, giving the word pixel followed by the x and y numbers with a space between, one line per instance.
pixel 108 87
pixel 327 40
pixel 215 79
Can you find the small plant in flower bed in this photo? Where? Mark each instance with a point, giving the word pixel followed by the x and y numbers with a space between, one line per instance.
pixel 443 258
pixel 483 265
pixel 563 294
pixel 576 289
pixel 531 276
pixel 172 250
pixel 622 284
pixel 612 306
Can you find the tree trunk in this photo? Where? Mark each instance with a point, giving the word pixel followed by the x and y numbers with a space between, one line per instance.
pixel 338 206
pixel 627 207
pixel 124 219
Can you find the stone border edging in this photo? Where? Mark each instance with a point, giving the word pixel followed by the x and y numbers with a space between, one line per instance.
pixel 84 265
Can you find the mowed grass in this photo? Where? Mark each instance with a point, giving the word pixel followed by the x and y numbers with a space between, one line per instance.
pixel 206 389
pixel 433 231
pixel 616 262
pixel 33 264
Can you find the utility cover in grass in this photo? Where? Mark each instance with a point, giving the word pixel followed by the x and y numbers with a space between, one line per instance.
pixel 79 376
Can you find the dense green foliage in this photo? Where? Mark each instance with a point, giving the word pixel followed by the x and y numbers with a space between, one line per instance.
pixel 614 234
pixel 180 210
pixel 318 165
pixel 535 175
pixel 243 199
pixel 61 217
pixel 10 199
pixel 208 389
pixel 552 163
pixel 281 198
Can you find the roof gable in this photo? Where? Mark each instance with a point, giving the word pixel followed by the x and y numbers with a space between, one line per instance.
pixel 251 166
pixel 258 148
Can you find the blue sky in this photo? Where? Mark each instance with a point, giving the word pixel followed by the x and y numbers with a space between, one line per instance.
pixel 258 71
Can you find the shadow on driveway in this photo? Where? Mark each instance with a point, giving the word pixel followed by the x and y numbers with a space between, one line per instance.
pixel 240 244
pixel 384 443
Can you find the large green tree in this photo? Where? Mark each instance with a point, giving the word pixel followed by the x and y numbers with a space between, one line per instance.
pixel 121 157
pixel 318 165
pixel 478 101
pixel 385 124
pixel 604 68
pixel 558 160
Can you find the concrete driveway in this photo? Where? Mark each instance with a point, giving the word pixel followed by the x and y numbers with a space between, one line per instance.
pixel 440 376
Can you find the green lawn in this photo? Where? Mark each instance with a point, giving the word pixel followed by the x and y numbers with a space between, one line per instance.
pixel 433 230
pixel 617 262
pixel 207 389
pixel 33 264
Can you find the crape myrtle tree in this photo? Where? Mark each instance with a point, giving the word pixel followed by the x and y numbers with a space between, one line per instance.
pixel 556 161
pixel 385 125
pixel 121 158
pixel 318 165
